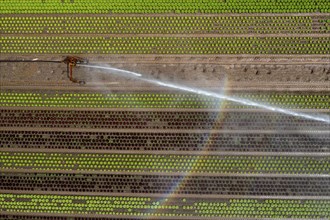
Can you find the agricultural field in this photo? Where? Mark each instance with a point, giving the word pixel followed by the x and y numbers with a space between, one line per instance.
pixel 164 109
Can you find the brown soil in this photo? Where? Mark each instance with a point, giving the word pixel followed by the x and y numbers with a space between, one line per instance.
pixel 178 72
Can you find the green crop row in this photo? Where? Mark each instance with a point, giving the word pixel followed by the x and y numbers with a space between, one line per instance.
pixel 325 23
pixel 163 25
pixel 165 163
pixel 160 6
pixel 164 207
pixel 157 100
pixel 165 45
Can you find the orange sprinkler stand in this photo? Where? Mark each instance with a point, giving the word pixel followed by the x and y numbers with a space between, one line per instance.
pixel 72 61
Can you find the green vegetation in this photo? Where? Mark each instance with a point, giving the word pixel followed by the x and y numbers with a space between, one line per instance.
pixel 159 6
pixel 165 45
pixel 325 24
pixel 165 163
pixel 270 208
pixel 165 25
pixel 157 100
pixel 173 207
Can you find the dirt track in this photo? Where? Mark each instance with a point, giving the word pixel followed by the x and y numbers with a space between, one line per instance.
pixel 196 71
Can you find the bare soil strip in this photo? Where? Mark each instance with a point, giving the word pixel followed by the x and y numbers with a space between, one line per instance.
pixel 161 173
pixel 146 87
pixel 166 131
pixel 173 58
pixel 193 153
pixel 220 110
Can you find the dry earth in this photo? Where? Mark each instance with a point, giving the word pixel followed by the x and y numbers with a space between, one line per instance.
pixel 203 70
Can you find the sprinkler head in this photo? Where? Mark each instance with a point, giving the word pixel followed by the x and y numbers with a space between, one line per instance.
pixel 72 61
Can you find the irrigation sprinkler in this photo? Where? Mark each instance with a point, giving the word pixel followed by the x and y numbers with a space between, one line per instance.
pixel 70 61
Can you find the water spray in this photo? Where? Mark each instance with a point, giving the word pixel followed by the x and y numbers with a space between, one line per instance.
pixel 126 73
